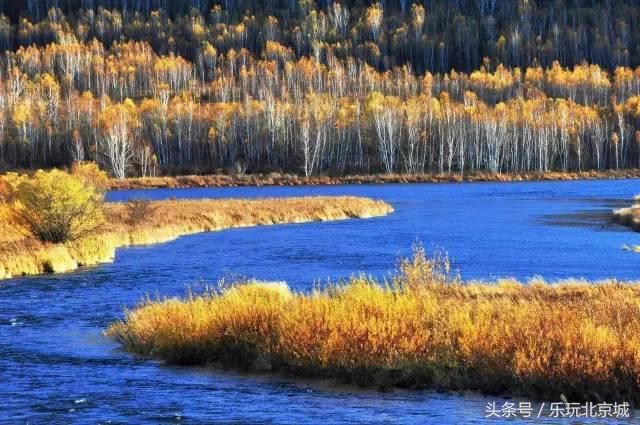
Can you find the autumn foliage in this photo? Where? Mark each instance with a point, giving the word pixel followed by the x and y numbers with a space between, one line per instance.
pixel 168 87
pixel 423 328
pixel 55 206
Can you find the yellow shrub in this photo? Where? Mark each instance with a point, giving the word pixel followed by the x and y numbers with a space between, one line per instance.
pixel 58 207
pixel 91 174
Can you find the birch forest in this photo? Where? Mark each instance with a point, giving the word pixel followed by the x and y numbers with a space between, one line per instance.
pixel 151 87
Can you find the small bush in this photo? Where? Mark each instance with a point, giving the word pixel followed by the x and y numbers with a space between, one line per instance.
pixel 91 174
pixel 139 211
pixel 58 207
pixel 9 185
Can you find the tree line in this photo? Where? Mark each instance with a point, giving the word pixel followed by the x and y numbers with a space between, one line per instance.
pixel 430 35
pixel 111 86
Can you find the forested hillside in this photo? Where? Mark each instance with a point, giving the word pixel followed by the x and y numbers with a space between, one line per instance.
pixel 159 86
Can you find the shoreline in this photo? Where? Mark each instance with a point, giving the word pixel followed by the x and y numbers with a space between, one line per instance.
pixel 277 179
pixel 22 256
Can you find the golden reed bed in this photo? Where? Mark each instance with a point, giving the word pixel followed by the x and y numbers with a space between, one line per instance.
pixel 20 255
pixel 420 329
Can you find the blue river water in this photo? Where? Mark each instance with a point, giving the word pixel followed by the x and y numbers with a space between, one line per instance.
pixel 57 367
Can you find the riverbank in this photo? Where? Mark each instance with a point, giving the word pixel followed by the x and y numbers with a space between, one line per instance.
pixel 422 329
pixel 276 179
pixel 629 216
pixel 167 220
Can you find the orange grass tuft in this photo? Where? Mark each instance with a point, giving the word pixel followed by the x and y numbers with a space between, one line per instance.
pixel 21 254
pixel 420 329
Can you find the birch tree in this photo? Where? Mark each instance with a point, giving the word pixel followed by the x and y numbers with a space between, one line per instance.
pixel 119 124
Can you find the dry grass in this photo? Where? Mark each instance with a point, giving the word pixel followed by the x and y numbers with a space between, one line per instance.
pixel 629 216
pixel 20 254
pixel 277 179
pixel 420 329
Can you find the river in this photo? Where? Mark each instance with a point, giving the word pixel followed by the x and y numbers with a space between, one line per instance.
pixel 57 367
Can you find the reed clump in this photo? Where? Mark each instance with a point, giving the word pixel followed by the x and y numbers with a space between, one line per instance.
pixel 629 216
pixel 21 254
pixel 422 328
